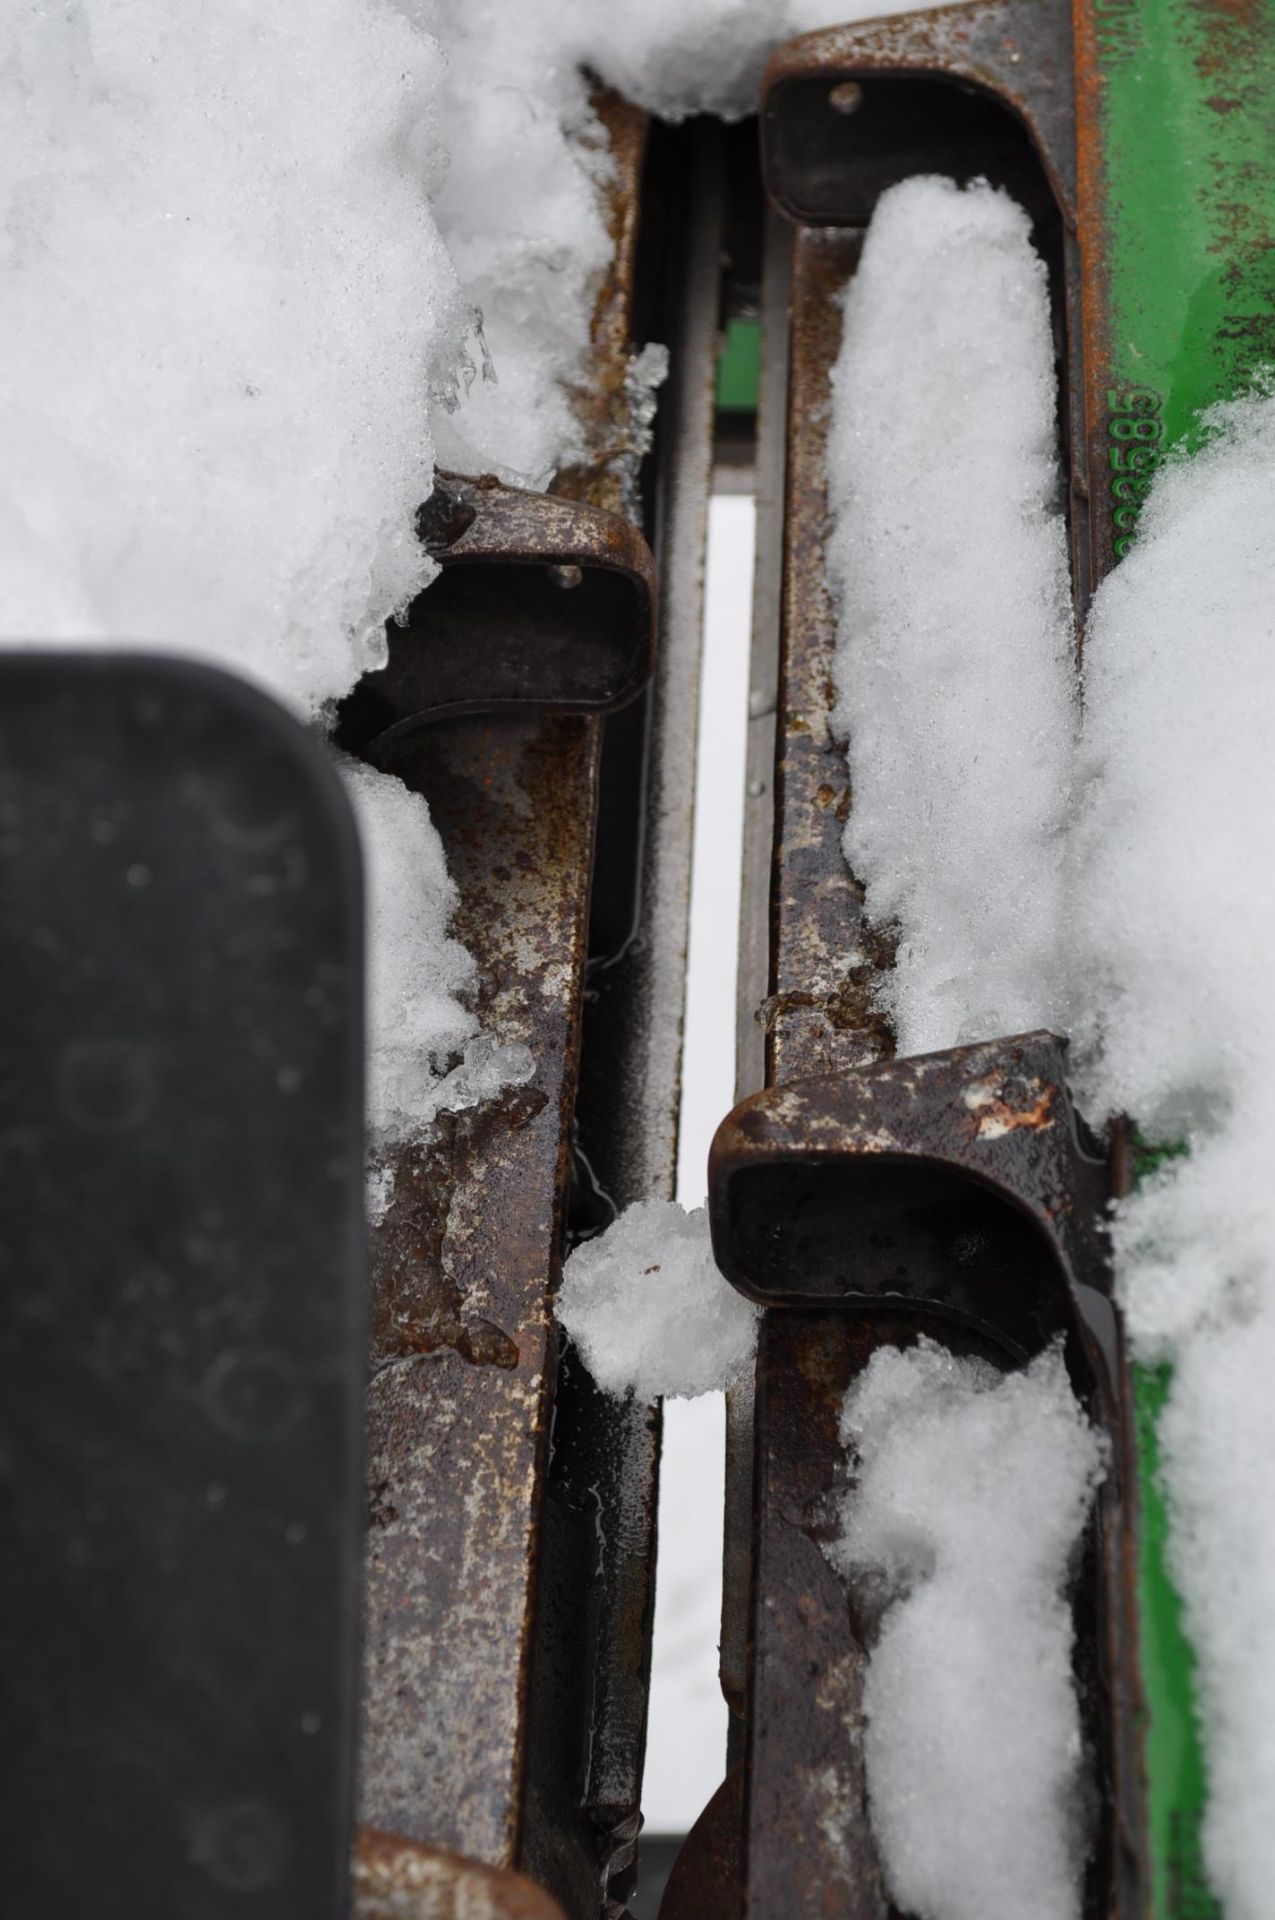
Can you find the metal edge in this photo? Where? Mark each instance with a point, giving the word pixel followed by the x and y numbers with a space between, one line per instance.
pixel 1017 52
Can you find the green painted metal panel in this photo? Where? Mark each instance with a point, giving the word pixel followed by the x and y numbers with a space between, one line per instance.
pixel 739 367
pixel 1186 119
pixel 1182 96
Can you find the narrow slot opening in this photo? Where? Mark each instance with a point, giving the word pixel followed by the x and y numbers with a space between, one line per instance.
pixel 688 1721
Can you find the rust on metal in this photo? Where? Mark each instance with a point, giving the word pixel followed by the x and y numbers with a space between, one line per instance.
pixel 827 958
pixel 989 89
pixel 920 1180
pixel 830 153
pixel 542 605
pixel 882 1199
pixel 466 1259
pixel 398 1879
pixel 954 1194
pixel 805 1840
pixel 606 471
pixel 459 1400
pixel 596 1571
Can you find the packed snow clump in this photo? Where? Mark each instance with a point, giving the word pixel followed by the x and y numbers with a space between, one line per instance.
pixel 224 302
pixel 649 1310
pixel 972 1491
pixel 1174 924
pixel 521 200
pixel 419 978
pixel 954 659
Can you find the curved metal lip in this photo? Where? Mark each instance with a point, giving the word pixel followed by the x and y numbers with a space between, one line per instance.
pixel 1005 50
pixel 481 521
pixel 843 1117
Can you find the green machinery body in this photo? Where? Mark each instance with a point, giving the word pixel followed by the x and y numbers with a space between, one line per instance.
pixel 1177 139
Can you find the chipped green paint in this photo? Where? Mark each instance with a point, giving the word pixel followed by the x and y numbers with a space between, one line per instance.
pixel 1185 109
pixel 1177 99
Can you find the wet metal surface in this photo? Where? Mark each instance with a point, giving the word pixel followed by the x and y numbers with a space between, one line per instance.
pixel 397 1879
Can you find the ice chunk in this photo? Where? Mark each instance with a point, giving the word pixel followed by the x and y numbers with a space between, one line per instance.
pixel 649 1310
pixel 1173 918
pixel 954 661
pixel 972 1491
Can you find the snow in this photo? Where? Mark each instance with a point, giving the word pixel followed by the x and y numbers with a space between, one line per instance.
pixel 648 1309
pixel 955 637
pixel 1174 923
pixel 519 201
pixel 257 270
pixel 419 977
pixel 1115 885
pixel 971 1494
pixel 225 301
pixel 1175 842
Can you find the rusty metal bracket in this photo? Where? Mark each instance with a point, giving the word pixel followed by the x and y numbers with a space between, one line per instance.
pixel 849 111
pixel 862 1199
pixel 475 1606
pixel 958 1194
pixel 957 1181
pixel 544 606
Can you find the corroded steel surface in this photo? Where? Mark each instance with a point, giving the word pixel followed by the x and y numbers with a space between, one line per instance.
pixel 822 143
pixel 826 957
pixel 807 1837
pixel 463 1334
pixel 805 1841
pixel 607 474
pixel 596 1570
pixel 955 1194
pixel 971 89
pixel 997 1114
pixel 464 1263
pixel 397 1879
pixel 543 605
